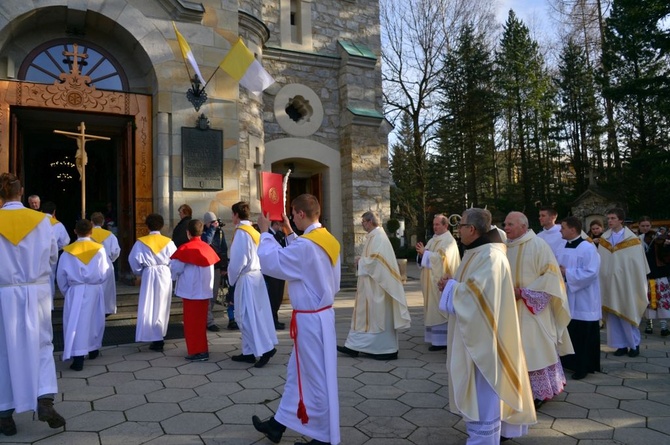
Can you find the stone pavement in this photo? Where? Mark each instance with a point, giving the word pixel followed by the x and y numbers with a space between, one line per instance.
pixel 130 395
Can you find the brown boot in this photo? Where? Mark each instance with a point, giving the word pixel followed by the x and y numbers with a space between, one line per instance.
pixel 7 426
pixel 47 413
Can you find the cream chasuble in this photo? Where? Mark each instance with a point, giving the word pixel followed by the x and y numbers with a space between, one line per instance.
pixel 534 267
pixel 444 258
pixel 623 276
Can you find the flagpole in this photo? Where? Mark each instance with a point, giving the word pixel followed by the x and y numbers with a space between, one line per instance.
pixel 180 52
pixel 210 77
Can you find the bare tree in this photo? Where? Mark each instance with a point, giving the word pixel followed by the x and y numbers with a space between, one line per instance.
pixel 416 36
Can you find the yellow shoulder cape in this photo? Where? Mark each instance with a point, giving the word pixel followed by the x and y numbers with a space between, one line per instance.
pixel 322 238
pixel 253 233
pixel 83 250
pixel 99 234
pixel 155 242
pixel 16 224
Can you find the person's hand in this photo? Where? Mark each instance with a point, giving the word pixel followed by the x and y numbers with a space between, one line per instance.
pixel 286 224
pixel 263 223
pixel 420 249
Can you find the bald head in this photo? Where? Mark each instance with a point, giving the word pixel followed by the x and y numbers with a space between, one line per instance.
pixel 516 225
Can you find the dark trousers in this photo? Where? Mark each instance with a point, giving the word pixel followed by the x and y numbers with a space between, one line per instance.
pixel 276 293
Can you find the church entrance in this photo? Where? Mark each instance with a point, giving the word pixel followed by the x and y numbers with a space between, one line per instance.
pixel 45 162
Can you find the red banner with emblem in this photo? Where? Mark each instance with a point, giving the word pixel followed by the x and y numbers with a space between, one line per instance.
pixel 272 200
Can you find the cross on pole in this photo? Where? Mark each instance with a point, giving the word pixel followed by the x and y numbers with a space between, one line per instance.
pixel 80 156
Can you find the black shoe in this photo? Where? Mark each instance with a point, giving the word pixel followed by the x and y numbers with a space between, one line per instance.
pixel 313 442
pixel 665 332
pixel 634 352
pixel 47 413
pixel 272 429
pixel 279 326
pixel 347 351
pixel 620 352
pixel 265 358
pixel 92 355
pixel 648 330
pixel 504 439
pixel 245 358
pixel 77 363
pixel 538 403
pixel 578 375
pixel 213 328
pixel 389 356
pixel 200 357
pixel 436 348
pixel 232 325
pixel 157 346
pixel 7 426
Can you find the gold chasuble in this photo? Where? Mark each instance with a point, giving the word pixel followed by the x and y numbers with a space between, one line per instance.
pixel 84 250
pixel 444 259
pixel 623 277
pixel 156 242
pixel 322 238
pixel 534 267
pixel 378 265
pixel 484 333
pixel 16 224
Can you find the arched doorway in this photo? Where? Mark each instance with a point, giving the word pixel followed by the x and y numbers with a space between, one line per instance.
pixel 119 170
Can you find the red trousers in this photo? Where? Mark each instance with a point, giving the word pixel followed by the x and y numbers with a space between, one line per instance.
pixel 195 325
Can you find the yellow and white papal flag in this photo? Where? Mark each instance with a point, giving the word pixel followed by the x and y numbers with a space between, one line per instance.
pixel 187 54
pixel 242 66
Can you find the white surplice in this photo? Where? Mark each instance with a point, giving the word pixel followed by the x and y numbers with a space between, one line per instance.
pixel 113 250
pixel 312 281
pixel 27 368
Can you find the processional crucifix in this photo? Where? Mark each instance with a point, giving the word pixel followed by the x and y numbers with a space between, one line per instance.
pixel 81 158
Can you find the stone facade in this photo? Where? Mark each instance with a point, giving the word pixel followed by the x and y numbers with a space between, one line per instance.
pixel 322 117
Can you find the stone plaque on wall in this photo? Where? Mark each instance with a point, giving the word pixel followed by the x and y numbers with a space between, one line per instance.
pixel 202 158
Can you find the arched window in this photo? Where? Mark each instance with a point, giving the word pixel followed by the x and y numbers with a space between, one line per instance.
pixel 47 62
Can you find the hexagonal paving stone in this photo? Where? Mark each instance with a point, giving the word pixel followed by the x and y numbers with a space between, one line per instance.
pixel 111 379
pixel 380 392
pixel 583 428
pixel 417 385
pixel 155 373
pixel 347 371
pixel 617 418
pixel 119 402
pixel 545 436
pixel 437 436
pixel 128 366
pixel 564 410
pixel 70 438
pixel 241 414
pixel 205 404
pixel 349 398
pixel 424 400
pixel 198 368
pixel 139 387
pixel 153 412
pixel 131 432
pixel 218 389
pixel 640 436
pixel 266 381
pixel 89 393
pixel 348 384
pixel 370 365
pixel 95 421
pixel 190 423
pixel 350 416
pixel 431 417
pixel 645 408
pixel 386 427
pixel 377 378
pixel 254 396
pixel 621 392
pixel 229 375
pixel 185 381
pixel 174 395
pixel 591 401
pixel 411 373
pixel 389 408
pixel 649 368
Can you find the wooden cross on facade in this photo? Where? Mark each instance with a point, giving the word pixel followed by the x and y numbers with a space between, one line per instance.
pixel 81 158
pixel 75 55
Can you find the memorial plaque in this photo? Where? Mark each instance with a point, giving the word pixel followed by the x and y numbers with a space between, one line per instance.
pixel 202 158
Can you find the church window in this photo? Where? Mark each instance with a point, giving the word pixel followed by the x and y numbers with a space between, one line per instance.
pixel 296 24
pixel 299 109
pixel 46 63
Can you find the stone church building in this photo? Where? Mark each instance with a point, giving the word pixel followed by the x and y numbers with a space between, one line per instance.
pixel 116 65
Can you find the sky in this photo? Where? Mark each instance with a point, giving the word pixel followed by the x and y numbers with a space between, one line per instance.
pixel 533 13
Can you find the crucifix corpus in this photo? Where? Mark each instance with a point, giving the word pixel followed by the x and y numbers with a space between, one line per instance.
pixel 81 158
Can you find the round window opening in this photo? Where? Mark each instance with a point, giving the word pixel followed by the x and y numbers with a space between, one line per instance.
pixel 299 110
